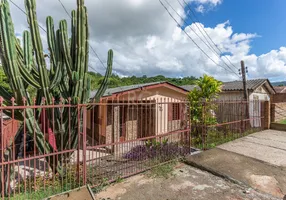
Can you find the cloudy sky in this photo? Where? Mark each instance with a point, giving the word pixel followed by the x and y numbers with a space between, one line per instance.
pixel 147 41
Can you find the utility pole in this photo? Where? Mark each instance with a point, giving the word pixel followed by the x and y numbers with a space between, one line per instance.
pixel 245 92
pixel 245 96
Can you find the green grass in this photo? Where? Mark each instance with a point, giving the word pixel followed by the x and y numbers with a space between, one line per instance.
pixel 215 138
pixel 162 171
pixel 40 194
pixel 47 186
pixel 282 121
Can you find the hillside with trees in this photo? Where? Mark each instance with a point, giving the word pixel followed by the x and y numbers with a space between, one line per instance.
pixel 116 81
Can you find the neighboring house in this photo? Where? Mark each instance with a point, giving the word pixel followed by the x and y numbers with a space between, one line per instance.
pixel 278 106
pixel 280 89
pixel 136 111
pixel 9 128
pixel 280 95
pixel 258 90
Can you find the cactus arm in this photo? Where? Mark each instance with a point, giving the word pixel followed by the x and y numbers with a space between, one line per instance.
pixel 86 90
pixel 52 42
pixel 5 94
pixel 73 37
pixel 86 42
pixel 108 73
pixel 38 48
pixel 57 77
pixel 64 90
pixel 65 46
pixel 81 43
pixel 28 77
pixel 28 52
pixel 8 45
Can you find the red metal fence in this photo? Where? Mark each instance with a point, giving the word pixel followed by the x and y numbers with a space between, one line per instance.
pixel 224 121
pixel 99 143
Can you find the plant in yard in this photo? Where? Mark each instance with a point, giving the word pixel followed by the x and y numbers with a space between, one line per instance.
pixel 155 150
pixel 163 170
pixel 201 105
pixel 47 185
pixel 65 82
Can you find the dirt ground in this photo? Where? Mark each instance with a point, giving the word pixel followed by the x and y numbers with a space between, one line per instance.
pixel 82 194
pixel 185 182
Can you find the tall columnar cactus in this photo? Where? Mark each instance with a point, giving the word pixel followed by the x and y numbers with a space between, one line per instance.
pixel 26 65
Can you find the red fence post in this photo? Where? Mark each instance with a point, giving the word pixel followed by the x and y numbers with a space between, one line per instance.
pixel 78 145
pixel 2 152
pixel 84 145
pixel 204 126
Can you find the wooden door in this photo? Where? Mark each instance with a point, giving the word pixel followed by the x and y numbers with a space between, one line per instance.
pixel 122 123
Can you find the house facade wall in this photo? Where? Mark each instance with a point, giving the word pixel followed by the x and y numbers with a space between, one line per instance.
pixel 260 94
pixel 160 97
pixel 230 96
pixel 255 107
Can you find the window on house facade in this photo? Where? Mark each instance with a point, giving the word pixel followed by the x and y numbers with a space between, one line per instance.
pixel 174 111
pixel 109 116
pixel 132 113
pixel 95 114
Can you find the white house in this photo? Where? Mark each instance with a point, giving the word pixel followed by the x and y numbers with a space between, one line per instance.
pixel 258 90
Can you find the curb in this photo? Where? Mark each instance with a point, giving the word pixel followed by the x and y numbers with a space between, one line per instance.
pixel 226 177
pixel 216 173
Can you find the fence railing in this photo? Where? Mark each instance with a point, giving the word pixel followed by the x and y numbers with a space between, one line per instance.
pixel 64 146
pixel 224 121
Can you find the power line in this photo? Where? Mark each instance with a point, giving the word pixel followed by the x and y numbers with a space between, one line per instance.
pixel 193 39
pixel 196 18
pixel 92 49
pixel 64 8
pixel 197 27
pixel 199 36
pixel 89 44
pixel 40 25
pixel 25 13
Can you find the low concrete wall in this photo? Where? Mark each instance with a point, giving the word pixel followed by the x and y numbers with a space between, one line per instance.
pixel 278 127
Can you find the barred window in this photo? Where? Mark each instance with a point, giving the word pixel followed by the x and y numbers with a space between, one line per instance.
pixel 175 111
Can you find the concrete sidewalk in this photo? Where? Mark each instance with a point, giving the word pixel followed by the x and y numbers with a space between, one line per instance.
pixel 268 146
pixel 258 160
pixel 185 183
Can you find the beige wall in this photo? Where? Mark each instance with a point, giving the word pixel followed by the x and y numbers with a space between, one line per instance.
pixel 162 96
pixel 155 93
pixel 260 92
pixel 230 96
pixel 278 112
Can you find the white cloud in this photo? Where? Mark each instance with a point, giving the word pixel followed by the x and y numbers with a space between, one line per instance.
pixel 212 2
pixel 200 9
pixel 205 5
pixel 146 41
